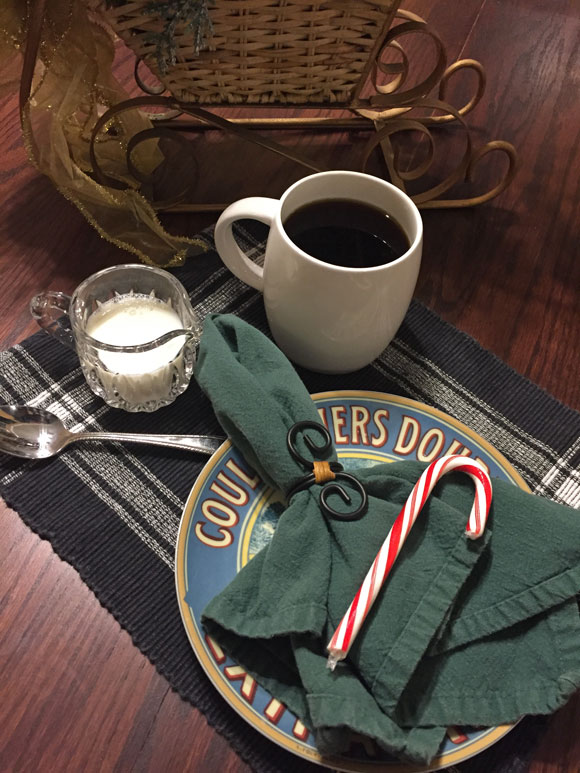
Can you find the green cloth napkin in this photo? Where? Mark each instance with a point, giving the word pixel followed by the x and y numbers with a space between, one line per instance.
pixel 463 632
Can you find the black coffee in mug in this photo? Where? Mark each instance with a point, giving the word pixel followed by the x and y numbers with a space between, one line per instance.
pixel 347 233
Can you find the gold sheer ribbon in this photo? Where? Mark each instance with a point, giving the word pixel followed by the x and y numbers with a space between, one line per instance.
pixel 64 72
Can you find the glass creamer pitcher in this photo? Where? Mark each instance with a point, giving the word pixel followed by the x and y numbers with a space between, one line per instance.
pixel 134 331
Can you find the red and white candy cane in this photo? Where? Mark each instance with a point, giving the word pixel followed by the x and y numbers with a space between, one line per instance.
pixel 351 623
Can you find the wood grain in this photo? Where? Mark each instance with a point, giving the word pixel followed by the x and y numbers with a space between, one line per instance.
pixel 75 693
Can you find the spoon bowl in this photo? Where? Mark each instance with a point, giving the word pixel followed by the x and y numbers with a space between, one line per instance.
pixel 33 433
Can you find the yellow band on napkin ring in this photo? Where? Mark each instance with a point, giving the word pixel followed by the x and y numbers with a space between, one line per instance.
pixel 322 472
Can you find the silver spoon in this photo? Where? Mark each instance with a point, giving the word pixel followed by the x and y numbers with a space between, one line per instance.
pixel 32 433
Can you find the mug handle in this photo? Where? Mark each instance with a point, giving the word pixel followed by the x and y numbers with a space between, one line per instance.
pixel 254 208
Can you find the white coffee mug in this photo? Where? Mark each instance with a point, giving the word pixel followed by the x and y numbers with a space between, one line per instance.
pixel 325 317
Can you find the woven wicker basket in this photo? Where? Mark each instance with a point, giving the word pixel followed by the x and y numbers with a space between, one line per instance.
pixel 265 51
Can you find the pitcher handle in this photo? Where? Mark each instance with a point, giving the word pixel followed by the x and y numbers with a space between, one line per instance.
pixel 51 311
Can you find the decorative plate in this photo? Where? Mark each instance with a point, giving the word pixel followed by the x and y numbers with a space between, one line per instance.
pixel 231 514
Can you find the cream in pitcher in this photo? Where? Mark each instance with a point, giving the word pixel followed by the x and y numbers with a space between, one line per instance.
pixel 129 320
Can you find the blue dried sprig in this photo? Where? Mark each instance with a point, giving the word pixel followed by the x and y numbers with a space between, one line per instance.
pixel 193 14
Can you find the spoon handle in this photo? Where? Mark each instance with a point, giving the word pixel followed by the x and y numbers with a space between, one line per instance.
pixel 204 444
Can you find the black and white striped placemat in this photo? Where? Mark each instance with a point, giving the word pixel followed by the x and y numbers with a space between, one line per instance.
pixel 114 512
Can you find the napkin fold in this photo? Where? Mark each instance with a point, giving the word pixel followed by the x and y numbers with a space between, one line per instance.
pixel 463 632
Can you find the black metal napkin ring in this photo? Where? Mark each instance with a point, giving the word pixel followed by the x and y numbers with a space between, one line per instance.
pixel 324 473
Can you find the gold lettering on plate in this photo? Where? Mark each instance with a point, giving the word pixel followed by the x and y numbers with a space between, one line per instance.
pixel 431 445
pixel 236 495
pixel 408 436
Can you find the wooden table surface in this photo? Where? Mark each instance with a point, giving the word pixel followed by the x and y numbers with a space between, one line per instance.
pixel 75 693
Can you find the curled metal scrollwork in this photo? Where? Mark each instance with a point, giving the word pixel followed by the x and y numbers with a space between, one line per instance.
pixel 429 199
pixel 388 99
pixel 398 69
pixel 392 108
pixel 461 64
pixel 159 132
pixel 153 91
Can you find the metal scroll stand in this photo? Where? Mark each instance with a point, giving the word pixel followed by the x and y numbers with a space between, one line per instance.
pixel 384 109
